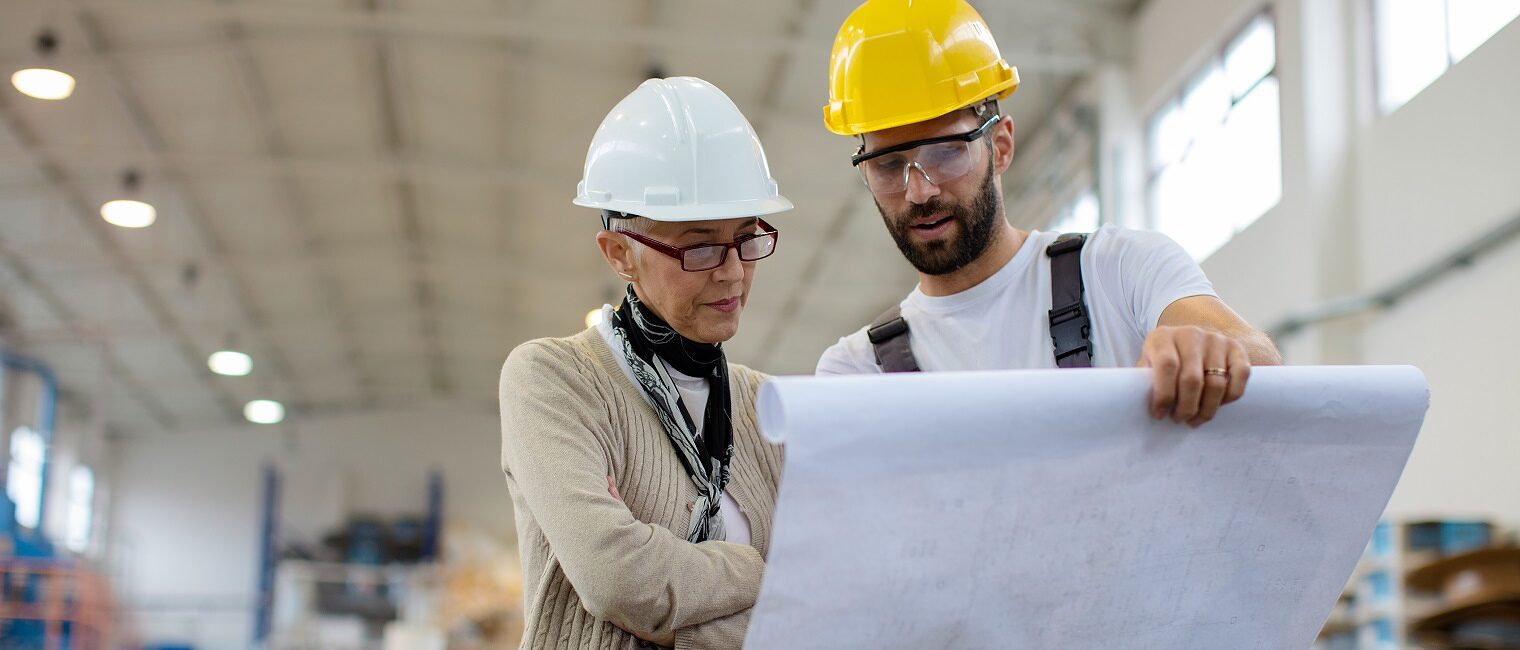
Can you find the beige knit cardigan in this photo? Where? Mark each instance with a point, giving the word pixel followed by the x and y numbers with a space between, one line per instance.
pixel 598 571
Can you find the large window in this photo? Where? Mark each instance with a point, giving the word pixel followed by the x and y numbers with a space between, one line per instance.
pixel 1417 40
pixel 23 482
pixel 1215 158
pixel 81 510
pixel 1081 215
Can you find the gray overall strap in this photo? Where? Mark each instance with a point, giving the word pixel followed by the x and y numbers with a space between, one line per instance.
pixel 889 337
pixel 1070 329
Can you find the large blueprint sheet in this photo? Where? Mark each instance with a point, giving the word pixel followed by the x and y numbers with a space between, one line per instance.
pixel 1046 509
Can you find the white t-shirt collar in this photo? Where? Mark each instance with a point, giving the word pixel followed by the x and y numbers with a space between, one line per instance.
pixel 986 288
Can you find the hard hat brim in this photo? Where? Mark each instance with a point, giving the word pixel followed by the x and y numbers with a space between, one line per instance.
pixel 703 212
pixel 1002 91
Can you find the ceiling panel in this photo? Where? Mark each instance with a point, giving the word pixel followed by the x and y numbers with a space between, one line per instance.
pixel 106 300
pixel 323 92
pixel 159 361
pixel 471 216
pixel 286 290
pixel 251 215
pixel 197 102
pixel 463 98
pixel 379 283
pixel 128 26
pixel 352 210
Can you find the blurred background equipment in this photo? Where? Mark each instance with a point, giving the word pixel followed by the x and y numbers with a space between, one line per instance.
pixel 1479 600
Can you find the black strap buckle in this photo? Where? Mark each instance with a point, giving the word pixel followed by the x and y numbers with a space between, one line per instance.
pixel 887 331
pixel 1070 330
pixel 1065 244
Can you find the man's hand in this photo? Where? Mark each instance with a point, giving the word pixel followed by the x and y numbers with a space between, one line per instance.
pixel 1193 371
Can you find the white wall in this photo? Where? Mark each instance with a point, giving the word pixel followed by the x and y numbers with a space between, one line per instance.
pixel 1434 175
pixel 187 506
pixel 1366 199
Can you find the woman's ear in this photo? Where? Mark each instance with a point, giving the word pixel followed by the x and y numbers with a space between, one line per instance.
pixel 619 255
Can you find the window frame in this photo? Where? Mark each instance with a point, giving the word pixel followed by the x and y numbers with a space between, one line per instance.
pixel 1215 60
pixel 1375 41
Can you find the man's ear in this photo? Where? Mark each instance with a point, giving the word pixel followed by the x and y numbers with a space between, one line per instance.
pixel 1001 136
pixel 619 256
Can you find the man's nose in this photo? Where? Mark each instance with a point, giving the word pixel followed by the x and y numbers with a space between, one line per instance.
pixel 921 188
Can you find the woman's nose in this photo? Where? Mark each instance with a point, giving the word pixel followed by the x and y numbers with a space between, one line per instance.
pixel 731 269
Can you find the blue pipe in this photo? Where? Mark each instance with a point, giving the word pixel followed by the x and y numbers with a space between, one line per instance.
pixel 269 533
pixel 433 530
pixel 46 412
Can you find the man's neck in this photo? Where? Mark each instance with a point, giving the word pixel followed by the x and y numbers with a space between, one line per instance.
pixel 1006 242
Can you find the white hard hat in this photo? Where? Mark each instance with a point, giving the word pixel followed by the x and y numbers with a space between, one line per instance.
pixel 678 149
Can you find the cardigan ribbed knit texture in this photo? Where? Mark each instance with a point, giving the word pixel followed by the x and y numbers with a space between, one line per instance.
pixel 595 568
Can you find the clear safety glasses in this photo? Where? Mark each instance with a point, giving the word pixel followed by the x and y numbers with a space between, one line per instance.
pixel 938 160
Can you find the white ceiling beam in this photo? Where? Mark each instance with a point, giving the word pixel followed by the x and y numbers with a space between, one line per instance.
pixel 60 311
pixel 106 163
pixel 79 331
pixel 397 112
pixel 65 258
pixel 1073 11
pixel 294 206
pixel 78 206
pixel 152 139
pixel 283 19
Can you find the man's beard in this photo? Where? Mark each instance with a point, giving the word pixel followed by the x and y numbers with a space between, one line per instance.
pixel 940 257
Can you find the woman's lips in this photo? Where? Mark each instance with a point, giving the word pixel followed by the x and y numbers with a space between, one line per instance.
pixel 725 306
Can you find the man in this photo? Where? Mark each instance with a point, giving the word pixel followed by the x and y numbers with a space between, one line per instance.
pixel 919 82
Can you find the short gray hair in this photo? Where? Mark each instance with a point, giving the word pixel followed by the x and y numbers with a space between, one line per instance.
pixel 624 222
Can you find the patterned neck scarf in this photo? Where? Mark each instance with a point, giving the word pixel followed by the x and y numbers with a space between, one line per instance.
pixel 644 336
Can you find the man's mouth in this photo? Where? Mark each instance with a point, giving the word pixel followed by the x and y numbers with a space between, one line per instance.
pixel 932 226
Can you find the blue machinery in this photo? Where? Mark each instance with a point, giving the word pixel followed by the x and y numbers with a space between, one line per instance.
pixel 269 551
pixel 47 412
pixel 29 544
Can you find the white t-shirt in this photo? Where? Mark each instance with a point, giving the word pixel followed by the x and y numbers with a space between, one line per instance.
pixel 694 392
pixel 1129 278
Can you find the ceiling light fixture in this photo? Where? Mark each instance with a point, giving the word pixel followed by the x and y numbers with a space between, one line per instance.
pixel 230 363
pixel 264 411
pixel 44 82
pixel 129 213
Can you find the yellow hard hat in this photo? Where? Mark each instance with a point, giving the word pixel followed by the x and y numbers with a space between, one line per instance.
pixel 897 62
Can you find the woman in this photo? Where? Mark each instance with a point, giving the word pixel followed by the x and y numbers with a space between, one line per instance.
pixel 642 487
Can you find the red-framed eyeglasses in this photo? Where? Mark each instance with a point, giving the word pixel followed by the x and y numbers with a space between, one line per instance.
pixel 706 257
